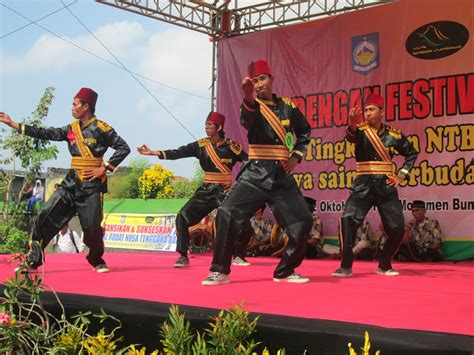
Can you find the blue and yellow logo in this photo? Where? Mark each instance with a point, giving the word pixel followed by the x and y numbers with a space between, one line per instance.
pixel 365 53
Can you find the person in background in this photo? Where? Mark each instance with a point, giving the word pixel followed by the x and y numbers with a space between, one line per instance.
pixel 314 249
pixel 423 237
pixel 67 241
pixel 262 227
pixel 364 248
pixel 37 196
pixel 27 192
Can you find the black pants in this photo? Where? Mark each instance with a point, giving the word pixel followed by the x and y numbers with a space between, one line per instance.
pixel 59 209
pixel 245 198
pixel 206 198
pixel 368 191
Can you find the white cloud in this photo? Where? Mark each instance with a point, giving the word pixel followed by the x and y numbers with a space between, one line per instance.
pixel 180 58
pixel 51 53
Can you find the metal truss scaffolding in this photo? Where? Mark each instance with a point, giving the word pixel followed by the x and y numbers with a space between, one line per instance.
pixel 227 18
pixel 224 18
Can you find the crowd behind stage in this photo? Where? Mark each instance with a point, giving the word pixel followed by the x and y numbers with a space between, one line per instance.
pixel 422 240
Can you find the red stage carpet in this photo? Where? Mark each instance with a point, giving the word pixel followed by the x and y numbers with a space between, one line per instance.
pixel 432 297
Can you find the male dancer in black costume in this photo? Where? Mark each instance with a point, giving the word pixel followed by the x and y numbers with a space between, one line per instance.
pixel 217 155
pixel 82 189
pixel 270 122
pixel 375 184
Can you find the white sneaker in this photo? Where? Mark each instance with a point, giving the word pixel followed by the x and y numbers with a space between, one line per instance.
pixel 293 278
pixel 238 261
pixel 216 278
pixel 101 268
pixel 389 272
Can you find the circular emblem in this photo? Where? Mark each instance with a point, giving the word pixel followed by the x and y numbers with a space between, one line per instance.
pixel 365 53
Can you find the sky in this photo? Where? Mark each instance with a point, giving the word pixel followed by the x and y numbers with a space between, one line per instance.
pixel 64 55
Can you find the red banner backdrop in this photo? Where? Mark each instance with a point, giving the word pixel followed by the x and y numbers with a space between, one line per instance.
pixel 417 54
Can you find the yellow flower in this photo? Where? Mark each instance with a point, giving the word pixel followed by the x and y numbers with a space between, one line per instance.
pixel 156 182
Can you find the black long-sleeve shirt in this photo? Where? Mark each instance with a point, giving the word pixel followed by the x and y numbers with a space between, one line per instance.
pixel 229 153
pixel 270 174
pixel 98 136
pixel 391 138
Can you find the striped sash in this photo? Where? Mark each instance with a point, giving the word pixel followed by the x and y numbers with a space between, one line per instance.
pixel 272 120
pixel 224 169
pixel 79 138
pixel 374 138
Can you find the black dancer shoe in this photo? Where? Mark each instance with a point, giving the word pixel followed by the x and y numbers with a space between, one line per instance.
pixel 182 261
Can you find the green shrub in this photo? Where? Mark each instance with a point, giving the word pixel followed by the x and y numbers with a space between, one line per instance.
pixel 12 240
pixel 229 333
pixel 183 188
pixel 124 183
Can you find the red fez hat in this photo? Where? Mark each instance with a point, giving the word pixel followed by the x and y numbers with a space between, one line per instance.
pixel 216 118
pixel 87 95
pixel 374 99
pixel 259 67
pixel 418 204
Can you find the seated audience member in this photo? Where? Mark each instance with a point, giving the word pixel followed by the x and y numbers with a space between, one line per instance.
pixel 423 237
pixel 364 248
pixel 262 227
pixel 380 241
pixel 38 195
pixel 27 192
pixel 314 247
pixel 67 241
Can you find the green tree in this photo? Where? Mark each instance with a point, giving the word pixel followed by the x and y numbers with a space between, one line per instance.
pixel 185 188
pixel 31 153
pixel 126 185
pixel 198 174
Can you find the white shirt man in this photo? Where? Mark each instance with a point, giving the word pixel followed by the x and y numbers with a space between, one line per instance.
pixel 67 241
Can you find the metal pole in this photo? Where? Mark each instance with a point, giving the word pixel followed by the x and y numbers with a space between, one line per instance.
pixel 214 74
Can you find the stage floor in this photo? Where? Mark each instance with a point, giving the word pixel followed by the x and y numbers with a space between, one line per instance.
pixel 436 297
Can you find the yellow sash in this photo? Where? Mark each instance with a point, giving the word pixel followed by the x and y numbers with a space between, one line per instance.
pixel 79 138
pixel 374 138
pixel 272 120
pixel 215 159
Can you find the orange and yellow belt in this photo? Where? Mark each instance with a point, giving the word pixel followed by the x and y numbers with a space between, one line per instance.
pixel 374 168
pixel 268 152
pixel 217 178
pixel 82 164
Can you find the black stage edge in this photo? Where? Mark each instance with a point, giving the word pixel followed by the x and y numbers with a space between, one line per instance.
pixel 141 320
